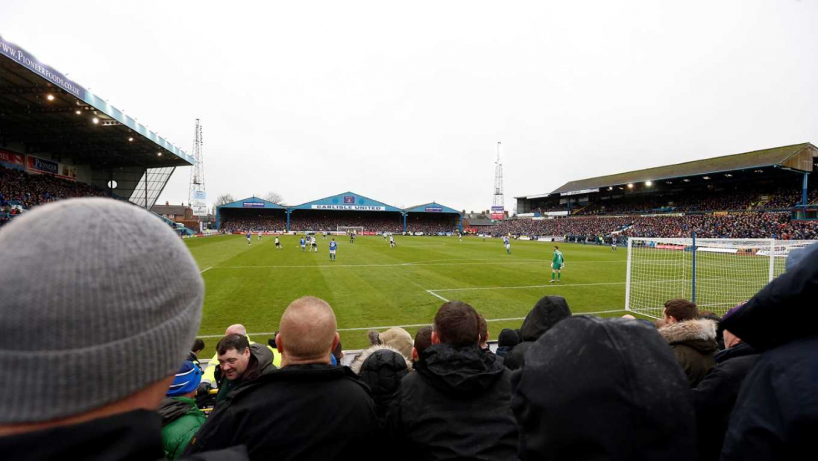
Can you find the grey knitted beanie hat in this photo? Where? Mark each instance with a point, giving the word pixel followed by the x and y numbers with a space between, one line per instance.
pixel 98 299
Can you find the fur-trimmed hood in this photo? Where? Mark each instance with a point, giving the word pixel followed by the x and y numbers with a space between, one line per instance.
pixel 360 359
pixel 698 333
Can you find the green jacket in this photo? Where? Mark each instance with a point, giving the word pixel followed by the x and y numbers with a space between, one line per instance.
pixel 181 418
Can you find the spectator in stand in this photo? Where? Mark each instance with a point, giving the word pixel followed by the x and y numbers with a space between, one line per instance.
pixel 716 394
pixel 693 339
pixel 235 329
pixel 506 341
pixel 603 389
pixel 253 224
pixel 382 368
pixel 776 414
pixel 181 418
pixel 548 311
pixel 331 413
pixel 396 337
pixel 70 394
pixel 423 339
pixel 456 403
pixel 240 363
pixel 195 350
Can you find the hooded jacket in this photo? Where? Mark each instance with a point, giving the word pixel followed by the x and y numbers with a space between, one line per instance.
pixel 603 389
pixel 298 412
pixel 694 344
pixel 181 418
pixel 455 406
pixel 382 368
pixel 545 314
pixel 776 414
pixel 715 397
pixel 260 363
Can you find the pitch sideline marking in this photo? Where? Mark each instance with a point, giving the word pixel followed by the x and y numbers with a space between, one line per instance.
pixel 437 295
pixel 202 272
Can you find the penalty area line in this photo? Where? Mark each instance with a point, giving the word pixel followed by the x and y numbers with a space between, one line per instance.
pixel 431 292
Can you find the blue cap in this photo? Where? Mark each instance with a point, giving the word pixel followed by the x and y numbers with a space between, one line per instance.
pixel 186 381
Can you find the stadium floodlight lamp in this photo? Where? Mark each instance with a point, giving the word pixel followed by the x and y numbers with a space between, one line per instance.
pixel 648 183
pixel 668 182
pixel 158 154
pixel 610 187
pixel 95 120
pixel 728 175
pixel 50 97
pixel 759 171
pixel 130 139
pixel 686 180
pixel 705 177
pixel 630 186
pixel 78 112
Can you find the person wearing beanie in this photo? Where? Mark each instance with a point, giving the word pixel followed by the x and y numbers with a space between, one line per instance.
pixel 181 418
pixel 716 394
pixel 603 389
pixel 382 369
pixel 506 341
pixel 546 313
pixel 456 404
pixel 107 288
pixel 776 413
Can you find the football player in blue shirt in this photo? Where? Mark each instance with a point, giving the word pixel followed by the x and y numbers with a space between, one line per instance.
pixel 248 237
pixel 303 244
pixel 333 245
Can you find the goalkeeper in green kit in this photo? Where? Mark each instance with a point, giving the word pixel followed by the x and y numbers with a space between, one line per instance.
pixel 557 264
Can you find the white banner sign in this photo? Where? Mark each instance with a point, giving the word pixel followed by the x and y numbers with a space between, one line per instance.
pixel 348 207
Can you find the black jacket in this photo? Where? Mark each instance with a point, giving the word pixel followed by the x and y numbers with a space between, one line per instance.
pixel 716 395
pixel 455 406
pixel 135 435
pixel 299 412
pixel 382 369
pixel 545 314
pixel 603 389
pixel 776 414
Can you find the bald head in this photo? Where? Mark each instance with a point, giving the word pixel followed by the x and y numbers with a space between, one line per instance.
pixel 236 329
pixel 307 332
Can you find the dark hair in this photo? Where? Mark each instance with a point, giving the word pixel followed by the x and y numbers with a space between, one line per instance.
pixel 423 339
pixel 338 352
pixel 484 328
pixel 237 342
pixel 508 338
pixel 198 345
pixel 681 310
pixel 457 323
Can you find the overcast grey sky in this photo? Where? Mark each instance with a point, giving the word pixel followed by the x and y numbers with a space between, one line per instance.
pixel 404 102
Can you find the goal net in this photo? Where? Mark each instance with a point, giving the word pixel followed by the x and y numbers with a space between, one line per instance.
pixel 716 274
pixel 351 229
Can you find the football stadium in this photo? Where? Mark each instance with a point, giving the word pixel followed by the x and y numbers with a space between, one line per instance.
pixel 460 335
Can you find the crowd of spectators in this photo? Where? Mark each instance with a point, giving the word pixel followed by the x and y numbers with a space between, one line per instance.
pixel 331 221
pixel 725 225
pixel 21 191
pixel 690 386
pixel 778 198
pixel 254 224
pixel 430 223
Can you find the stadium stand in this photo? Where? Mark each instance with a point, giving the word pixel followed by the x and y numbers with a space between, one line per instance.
pixel 60 141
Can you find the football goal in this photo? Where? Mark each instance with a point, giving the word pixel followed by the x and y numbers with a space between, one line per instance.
pixel 716 274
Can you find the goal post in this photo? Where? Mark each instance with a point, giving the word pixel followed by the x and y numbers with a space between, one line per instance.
pixel 716 274
pixel 347 229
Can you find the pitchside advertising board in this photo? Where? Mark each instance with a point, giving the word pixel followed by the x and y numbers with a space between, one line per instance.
pixel 12 160
pixel 37 165
pixel 26 59
pixel 497 212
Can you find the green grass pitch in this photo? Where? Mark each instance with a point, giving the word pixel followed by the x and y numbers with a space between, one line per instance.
pixel 374 286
